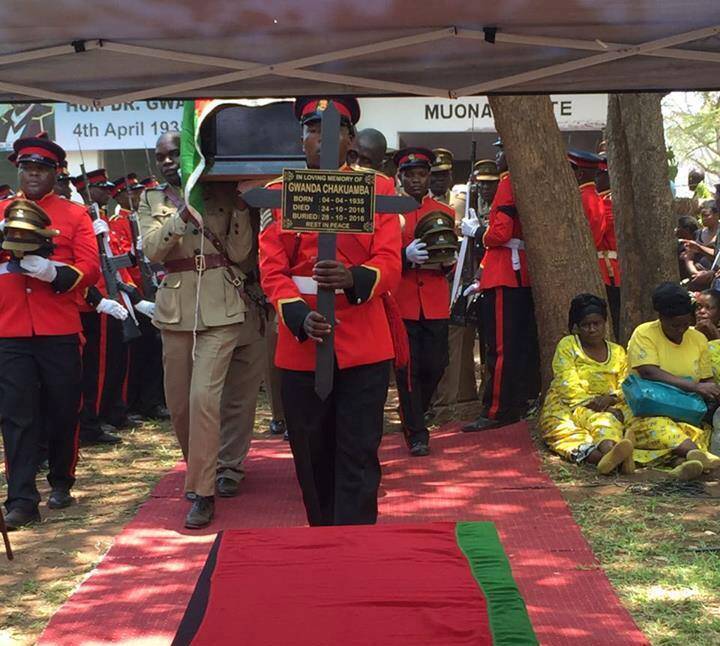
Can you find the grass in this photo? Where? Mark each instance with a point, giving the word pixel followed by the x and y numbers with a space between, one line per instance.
pixel 642 542
pixel 53 558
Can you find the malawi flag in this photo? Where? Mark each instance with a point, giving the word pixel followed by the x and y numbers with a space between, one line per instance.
pixel 433 584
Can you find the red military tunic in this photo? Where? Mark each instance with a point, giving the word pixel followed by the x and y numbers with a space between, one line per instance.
pixel 594 211
pixel 503 241
pixel 122 239
pixel 116 245
pixel 422 292
pixel 30 307
pixel 607 251
pixel 362 335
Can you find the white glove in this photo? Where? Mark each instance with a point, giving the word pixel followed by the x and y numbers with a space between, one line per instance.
pixel 39 267
pixel 2 226
pixel 472 289
pixel 416 253
pixel 100 227
pixel 112 308
pixel 146 307
pixel 469 227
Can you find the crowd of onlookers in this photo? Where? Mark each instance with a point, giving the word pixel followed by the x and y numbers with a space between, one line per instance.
pixel 654 403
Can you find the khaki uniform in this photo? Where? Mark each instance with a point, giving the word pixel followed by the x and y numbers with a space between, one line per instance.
pixel 242 385
pixel 272 373
pixel 458 381
pixel 239 398
pixel 213 309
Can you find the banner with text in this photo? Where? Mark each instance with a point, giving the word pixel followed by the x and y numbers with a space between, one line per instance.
pixel 411 114
pixel 121 126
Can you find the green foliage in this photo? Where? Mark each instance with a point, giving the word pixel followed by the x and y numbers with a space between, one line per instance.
pixel 692 128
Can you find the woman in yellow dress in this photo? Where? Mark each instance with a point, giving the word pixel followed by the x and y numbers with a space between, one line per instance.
pixel 668 350
pixel 707 321
pixel 582 418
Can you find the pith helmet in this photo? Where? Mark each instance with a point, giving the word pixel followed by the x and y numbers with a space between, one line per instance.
pixel 437 230
pixel 27 228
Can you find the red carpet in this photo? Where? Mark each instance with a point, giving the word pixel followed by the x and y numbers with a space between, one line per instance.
pixel 140 590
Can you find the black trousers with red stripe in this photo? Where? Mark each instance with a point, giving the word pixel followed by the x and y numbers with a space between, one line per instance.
pixel 39 393
pixel 429 357
pixel 104 366
pixel 145 392
pixel 511 349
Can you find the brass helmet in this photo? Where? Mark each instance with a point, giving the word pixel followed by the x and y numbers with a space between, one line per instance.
pixel 437 230
pixel 27 229
pixel 485 170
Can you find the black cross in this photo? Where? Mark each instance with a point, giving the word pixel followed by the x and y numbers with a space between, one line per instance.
pixel 265 198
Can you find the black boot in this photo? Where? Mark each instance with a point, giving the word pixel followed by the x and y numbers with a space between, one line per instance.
pixel 481 424
pixel 277 427
pixel 19 517
pixel 227 487
pixel 201 513
pixel 59 499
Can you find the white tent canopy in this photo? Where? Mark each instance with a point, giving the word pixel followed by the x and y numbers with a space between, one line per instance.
pixel 108 51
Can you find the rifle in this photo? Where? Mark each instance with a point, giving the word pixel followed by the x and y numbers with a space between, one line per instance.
pixel 465 267
pixel 147 275
pixel 110 264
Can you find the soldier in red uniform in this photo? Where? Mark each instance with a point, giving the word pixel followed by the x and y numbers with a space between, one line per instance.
pixel 40 378
pixel 144 384
pixel 126 192
pixel 607 252
pixel 424 300
pixel 586 166
pixel 104 353
pixel 508 314
pixel 334 442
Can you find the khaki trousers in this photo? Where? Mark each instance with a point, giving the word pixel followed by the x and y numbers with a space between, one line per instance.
pixel 272 373
pixel 193 390
pixel 458 382
pixel 237 407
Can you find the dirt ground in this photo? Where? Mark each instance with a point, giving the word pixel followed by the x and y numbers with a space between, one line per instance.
pixel 645 539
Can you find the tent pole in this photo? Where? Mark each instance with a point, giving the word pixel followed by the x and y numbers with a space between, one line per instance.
pixel 263 70
pixel 341 79
pixel 45 52
pixel 589 61
pixel 40 93
pixel 589 45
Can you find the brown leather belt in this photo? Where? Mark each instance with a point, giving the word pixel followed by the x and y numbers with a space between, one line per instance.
pixel 196 263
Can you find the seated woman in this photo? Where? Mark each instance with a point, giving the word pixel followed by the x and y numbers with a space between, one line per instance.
pixel 670 351
pixel 582 419
pixel 707 321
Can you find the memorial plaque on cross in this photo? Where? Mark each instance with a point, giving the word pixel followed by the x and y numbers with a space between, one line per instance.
pixel 327 224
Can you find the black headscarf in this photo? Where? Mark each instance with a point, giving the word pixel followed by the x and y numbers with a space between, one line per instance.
pixel 670 299
pixel 584 304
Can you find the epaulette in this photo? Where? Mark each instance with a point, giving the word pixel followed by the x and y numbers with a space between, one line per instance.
pixel 159 187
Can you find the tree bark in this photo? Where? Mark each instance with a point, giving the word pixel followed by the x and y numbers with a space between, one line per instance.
pixel 560 251
pixel 642 203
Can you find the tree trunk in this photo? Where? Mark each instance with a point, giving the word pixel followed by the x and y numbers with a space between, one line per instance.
pixel 642 203
pixel 560 251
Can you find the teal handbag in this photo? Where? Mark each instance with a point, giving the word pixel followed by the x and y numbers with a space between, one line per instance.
pixel 655 399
